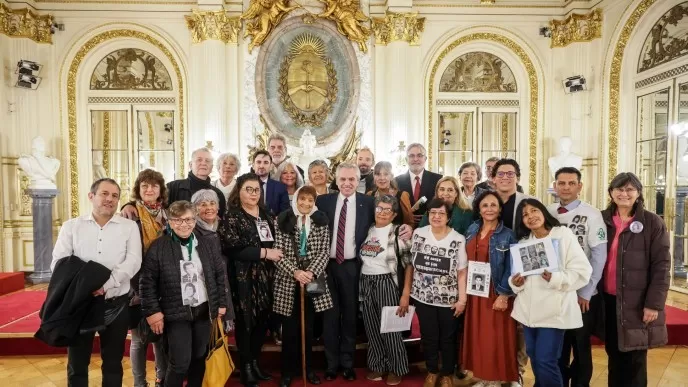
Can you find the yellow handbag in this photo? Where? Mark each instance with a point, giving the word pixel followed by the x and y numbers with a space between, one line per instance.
pixel 218 364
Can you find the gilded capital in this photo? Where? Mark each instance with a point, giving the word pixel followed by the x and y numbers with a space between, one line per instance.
pixel 213 25
pixel 24 23
pixel 576 28
pixel 406 27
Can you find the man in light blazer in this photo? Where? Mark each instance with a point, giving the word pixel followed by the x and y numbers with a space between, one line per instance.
pixel 418 181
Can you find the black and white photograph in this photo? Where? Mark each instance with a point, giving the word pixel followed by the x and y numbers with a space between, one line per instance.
pixel 190 293
pixel 442 252
pixel 434 277
pixel 264 231
pixel 189 272
pixel 478 279
pixel 534 257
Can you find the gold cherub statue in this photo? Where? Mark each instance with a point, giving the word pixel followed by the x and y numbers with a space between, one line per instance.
pixel 265 15
pixel 348 16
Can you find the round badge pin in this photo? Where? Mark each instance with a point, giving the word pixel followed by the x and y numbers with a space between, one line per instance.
pixel 636 227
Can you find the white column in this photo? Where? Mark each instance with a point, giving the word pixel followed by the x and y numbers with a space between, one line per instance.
pixel 210 61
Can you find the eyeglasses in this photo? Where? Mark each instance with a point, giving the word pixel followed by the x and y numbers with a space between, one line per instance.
pixel 415 155
pixel 252 190
pixel 437 213
pixel 510 174
pixel 383 210
pixel 179 221
pixel 627 191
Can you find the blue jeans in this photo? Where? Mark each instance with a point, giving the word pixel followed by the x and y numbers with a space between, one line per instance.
pixel 543 346
pixel 137 356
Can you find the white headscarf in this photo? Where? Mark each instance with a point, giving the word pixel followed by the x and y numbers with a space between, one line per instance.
pixel 300 216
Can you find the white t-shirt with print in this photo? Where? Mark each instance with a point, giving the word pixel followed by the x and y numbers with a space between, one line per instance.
pixel 374 251
pixel 435 266
pixel 586 223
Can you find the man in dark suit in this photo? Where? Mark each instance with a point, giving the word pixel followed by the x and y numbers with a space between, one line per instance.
pixel 418 181
pixel 350 214
pixel 274 194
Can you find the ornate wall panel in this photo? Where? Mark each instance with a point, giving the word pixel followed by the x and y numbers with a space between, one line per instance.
pixel 478 72
pixel 130 69
pixel 213 25
pixel 667 40
pixel 576 28
pixel 307 78
pixel 405 27
pixel 24 23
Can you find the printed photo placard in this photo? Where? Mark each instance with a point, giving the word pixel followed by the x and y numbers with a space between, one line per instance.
pixel 534 257
pixel 478 279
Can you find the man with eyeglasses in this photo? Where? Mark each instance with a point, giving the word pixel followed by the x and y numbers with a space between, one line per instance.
pixel 489 183
pixel 113 242
pixel 418 181
pixel 589 224
pixel 505 175
pixel 201 166
pixel 274 193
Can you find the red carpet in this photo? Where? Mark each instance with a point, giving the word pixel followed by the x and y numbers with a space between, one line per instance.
pixel 20 304
pixel 11 282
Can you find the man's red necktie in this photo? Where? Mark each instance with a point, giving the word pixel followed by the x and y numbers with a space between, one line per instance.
pixel 416 190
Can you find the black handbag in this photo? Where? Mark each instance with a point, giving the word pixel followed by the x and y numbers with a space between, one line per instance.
pixel 317 286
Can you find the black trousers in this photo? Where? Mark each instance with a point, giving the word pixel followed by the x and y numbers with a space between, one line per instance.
pixel 438 336
pixel 250 340
pixel 111 350
pixel 187 346
pixel 577 373
pixel 339 330
pixel 625 369
pixel 291 336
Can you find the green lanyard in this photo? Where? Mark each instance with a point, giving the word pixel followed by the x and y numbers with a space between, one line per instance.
pixel 189 245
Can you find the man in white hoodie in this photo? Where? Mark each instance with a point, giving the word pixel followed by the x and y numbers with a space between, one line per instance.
pixel 592 231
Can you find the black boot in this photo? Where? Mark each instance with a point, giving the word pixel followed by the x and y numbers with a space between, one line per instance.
pixel 286 381
pixel 248 379
pixel 260 374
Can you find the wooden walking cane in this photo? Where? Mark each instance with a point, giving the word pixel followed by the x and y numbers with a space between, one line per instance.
pixel 303 336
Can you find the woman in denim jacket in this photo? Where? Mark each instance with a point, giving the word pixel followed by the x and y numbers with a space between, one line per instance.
pixel 489 339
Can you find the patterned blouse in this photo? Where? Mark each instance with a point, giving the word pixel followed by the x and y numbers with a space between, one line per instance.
pixel 251 278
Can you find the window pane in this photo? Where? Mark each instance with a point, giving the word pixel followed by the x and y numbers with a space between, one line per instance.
pixel 161 161
pixel 450 161
pixel 155 130
pixel 109 130
pixel 456 131
pixel 499 132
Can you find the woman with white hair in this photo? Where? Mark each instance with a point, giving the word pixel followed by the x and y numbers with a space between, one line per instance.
pixel 228 166
pixel 289 175
pixel 469 175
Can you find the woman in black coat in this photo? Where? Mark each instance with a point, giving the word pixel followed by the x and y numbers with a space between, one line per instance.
pixel 182 289
pixel 247 235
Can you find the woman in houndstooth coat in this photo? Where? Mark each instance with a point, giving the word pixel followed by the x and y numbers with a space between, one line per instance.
pixel 304 238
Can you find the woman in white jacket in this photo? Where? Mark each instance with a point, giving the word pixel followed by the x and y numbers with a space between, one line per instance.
pixel 547 304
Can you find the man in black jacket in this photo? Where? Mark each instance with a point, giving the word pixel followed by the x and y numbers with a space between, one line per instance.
pixel 201 165
pixel 365 161
pixel 418 181
pixel 115 243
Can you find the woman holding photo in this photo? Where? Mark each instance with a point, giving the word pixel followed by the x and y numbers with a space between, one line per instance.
pixel 489 336
pixel 547 304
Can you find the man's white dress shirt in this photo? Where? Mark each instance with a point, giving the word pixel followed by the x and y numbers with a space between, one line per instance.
pixel 349 229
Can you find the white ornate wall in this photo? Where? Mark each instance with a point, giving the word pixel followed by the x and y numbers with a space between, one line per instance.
pixel 218 81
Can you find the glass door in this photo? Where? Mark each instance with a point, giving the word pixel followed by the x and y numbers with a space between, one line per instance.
pixel 677 203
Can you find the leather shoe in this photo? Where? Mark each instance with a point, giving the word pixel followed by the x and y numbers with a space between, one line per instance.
pixel 349 374
pixel 312 378
pixel 260 374
pixel 330 375
pixel 285 382
pixel 248 379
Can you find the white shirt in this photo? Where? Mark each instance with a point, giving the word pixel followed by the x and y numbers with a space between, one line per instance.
pixel 377 259
pixel 116 245
pixel 226 189
pixel 349 228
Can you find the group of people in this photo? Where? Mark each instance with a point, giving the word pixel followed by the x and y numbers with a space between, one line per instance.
pixel 248 248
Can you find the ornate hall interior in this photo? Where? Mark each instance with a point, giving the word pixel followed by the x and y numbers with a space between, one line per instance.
pixel 112 87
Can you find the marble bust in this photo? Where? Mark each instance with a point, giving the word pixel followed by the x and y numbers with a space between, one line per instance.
pixel 40 169
pixel 565 158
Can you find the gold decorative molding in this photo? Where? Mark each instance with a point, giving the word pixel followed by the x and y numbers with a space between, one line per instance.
pixel 25 23
pixel 262 17
pixel 405 27
pixel 261 140
pixel 71 85
pixel 487 2
pixel 14 223
pixel 106 142
pixel 213 25
pixel 576 28
pixel 505 134
pixel 533 95
pixel 151 139
pixel 24 198
pixel 349 19
pixel 307 81
pixel 614 89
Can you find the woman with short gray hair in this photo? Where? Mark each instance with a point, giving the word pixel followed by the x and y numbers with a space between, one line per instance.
pixel 386 266
pixel 318 172
pixel 228 165
pixel 469 175
pixel 289 175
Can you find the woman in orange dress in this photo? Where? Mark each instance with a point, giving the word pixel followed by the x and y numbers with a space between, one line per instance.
pixel 489 336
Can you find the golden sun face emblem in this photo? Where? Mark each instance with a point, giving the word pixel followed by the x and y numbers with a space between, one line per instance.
pixel 308 81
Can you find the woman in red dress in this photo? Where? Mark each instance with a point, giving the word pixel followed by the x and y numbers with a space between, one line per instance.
pixel 489 336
